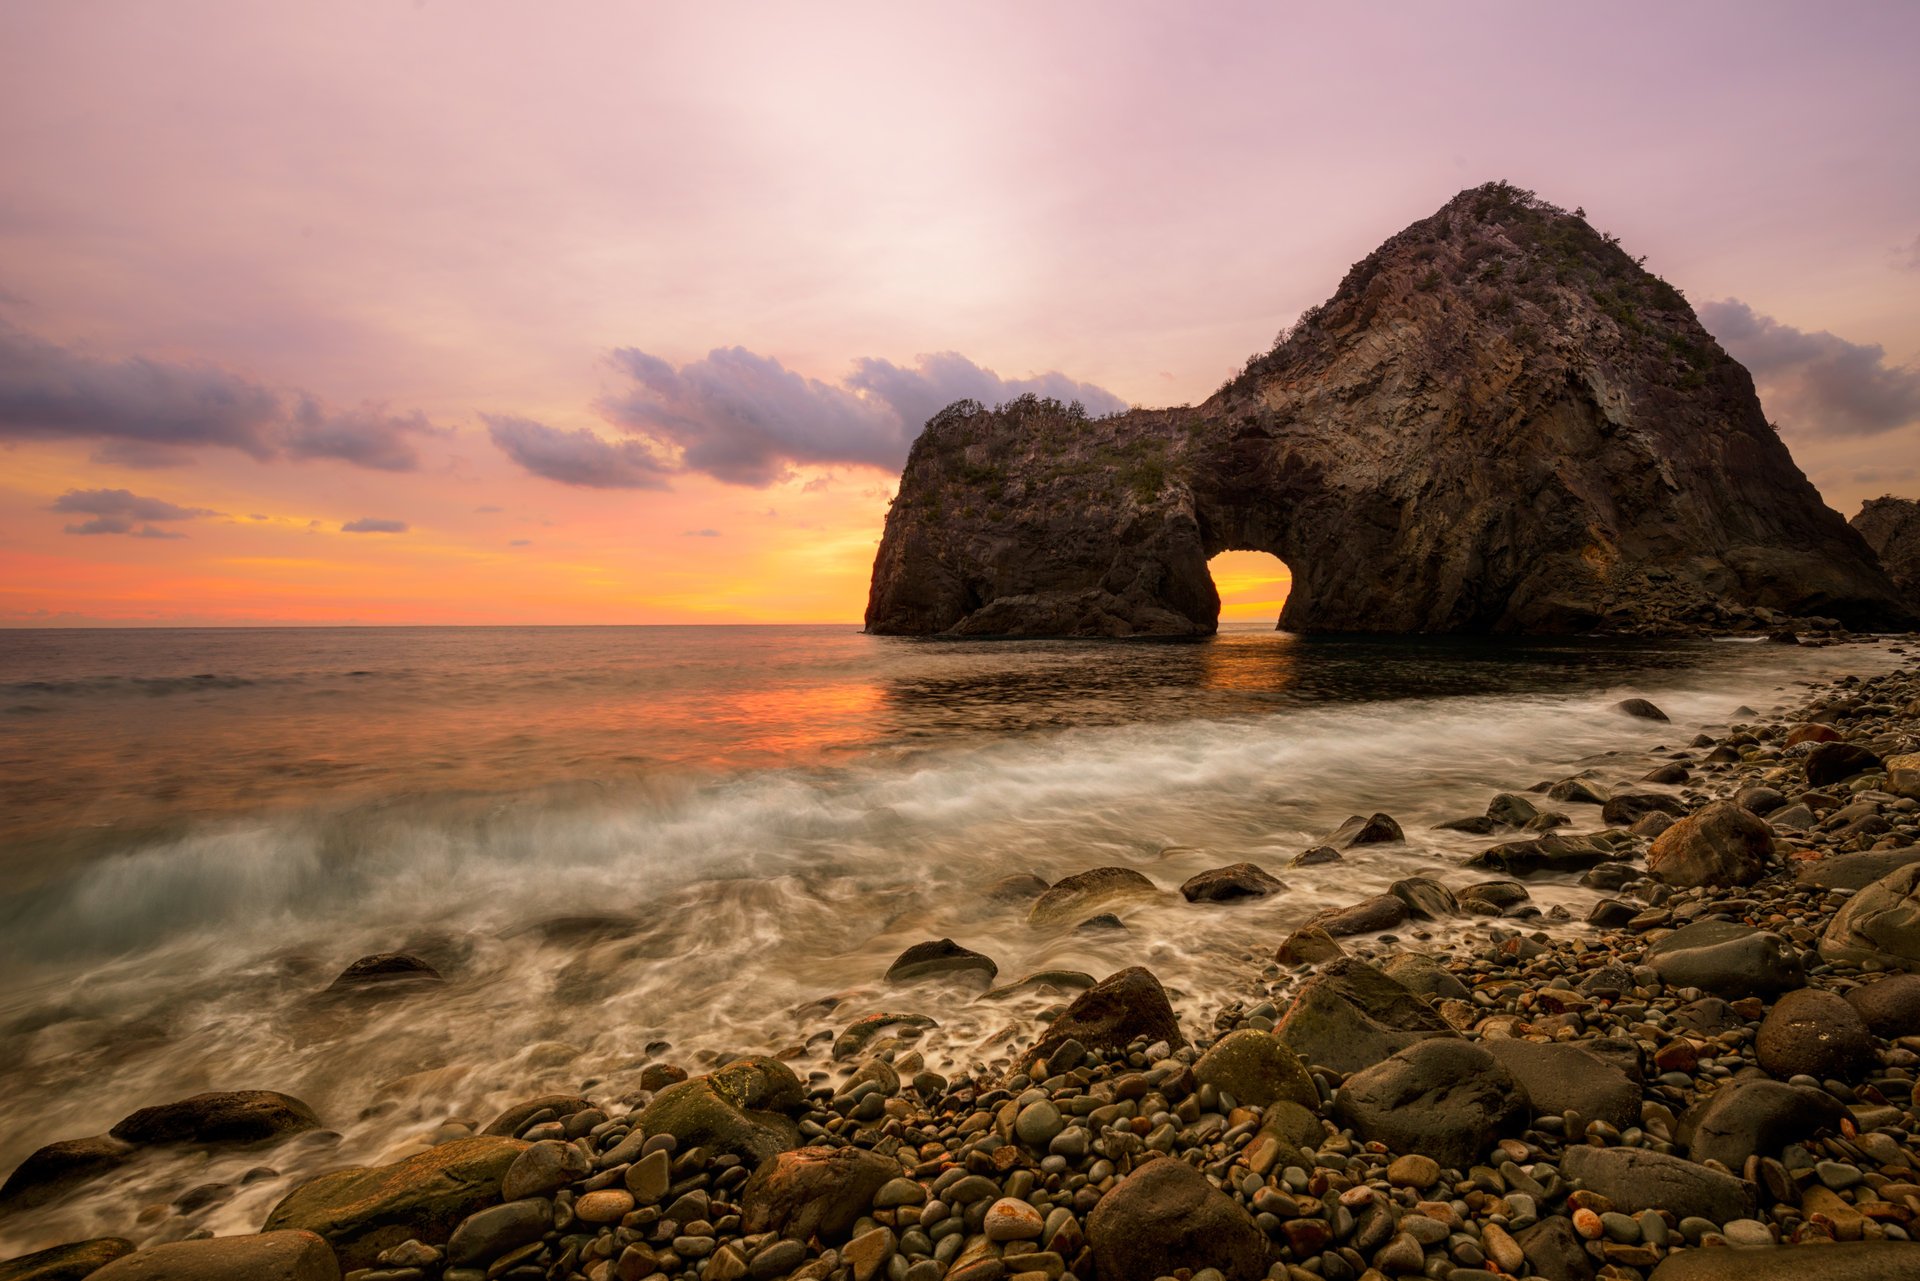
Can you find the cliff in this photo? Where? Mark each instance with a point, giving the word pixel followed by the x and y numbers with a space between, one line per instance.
pixel 1891 527
pixel 1499 423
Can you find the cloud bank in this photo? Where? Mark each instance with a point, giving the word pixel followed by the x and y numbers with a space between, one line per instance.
pixel 1817 384
pixel 121 511
pixel 149 413
pixel 747 419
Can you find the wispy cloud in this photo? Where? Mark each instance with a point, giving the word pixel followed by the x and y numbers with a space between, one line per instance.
pixel 576 457
pixel 1817 383
pixel 121 511
pixel 748 419
pixel 374 525
pixel 152 413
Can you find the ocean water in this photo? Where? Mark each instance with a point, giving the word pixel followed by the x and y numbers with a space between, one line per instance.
pixel 630 845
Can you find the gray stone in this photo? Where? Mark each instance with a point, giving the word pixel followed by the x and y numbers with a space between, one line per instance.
pixel 1727 959
pixel 1756 1117
pixel 1447 1099
pixel 1563 1077
pixel 1813 1033
pixel 1880 923
pixel 1165 1216
pixel 1635 1179
pixel 1351 1016
pixel 1841 1261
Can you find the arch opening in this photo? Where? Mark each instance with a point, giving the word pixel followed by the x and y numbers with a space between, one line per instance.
pixel 1252 587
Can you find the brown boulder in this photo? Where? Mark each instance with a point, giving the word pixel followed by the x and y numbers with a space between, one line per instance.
pixel 1165 1217
pixel 814 1192
pixel 1719 845
pixel 1120 1009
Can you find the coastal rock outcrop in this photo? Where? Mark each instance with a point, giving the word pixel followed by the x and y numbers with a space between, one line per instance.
pixel 1499 423
pixel 1891 527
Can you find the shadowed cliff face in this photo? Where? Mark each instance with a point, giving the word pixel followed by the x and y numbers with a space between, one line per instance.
pixel 1891 527
pixel 1499 423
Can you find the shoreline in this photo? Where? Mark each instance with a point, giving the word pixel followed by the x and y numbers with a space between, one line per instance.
pixel 1063 1171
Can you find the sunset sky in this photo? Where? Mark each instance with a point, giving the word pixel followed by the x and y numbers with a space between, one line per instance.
pixel 623 313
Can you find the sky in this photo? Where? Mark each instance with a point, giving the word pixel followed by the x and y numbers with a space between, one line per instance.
pixel 627 313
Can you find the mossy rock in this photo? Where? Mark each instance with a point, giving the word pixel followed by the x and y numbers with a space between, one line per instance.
pixel 1257 1069
pixel 363 1211
pixel 736 1109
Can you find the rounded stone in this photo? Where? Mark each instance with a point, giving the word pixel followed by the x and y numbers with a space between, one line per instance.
pixel 609 1205
pixel 1011 1219
pixel 1813 1033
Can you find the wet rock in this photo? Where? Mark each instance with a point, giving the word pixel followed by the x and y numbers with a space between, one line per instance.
pixel 1424 975
pixel 1640 709
pixel 1381 912
pixel 1379 829
pixel 361 1212
pixel 1447 1099
pixel 1351 1016
pixel 1317 855
pixel 737 1109
pixel 487 1234
pixel 1559 1077
pixel 1760 801
pixel 269 1256
pixel 1890 1007
pixel 516 1118
pixel 941 958
pixel 1855 871
pixel 1020 887
pixel 1256 1068
pixel 70 1262
pixel 1104 924
pixel 1623 809
pixel 814 1192
pixel 544 1169
pixel 1671 774
pixel 1812 732
pixel 1164 1217
pixel 1426 898
pixel 1491 898
pixel 1721 845
pixel 1053 981
pixel 1839 1261
pixel 1308 945
pixel 863 1031
pixel 1226 884
pixel 1881 923
pixel 1727 959
pixel 1510 809
pixel 229 1116
pixel 1813 1033
pixel 1111 1014
pixel 1830 763
pixel 54 1170
pixel 1085 892
pixel 384 968
pixel 1546 854
pixel 1554 1250
pixel 1584 791
pixel 1903 775
pixel 1635 1179
pixel 1472 824
pixel 1756 1117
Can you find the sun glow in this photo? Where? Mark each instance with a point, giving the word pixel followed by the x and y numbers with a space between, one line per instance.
pixel 1252 585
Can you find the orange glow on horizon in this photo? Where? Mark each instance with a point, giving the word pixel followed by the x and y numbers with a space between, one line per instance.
pixel 1252 586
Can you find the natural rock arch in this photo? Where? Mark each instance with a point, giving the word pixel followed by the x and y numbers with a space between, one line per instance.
pixel 1499 423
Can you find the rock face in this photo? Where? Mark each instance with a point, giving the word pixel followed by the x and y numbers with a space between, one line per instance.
pixel 1891 527
pixel 1499 423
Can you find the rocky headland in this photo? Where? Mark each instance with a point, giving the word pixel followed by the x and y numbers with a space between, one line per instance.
pixel 1499 423
pixel 1891 527
pixel 1711 1077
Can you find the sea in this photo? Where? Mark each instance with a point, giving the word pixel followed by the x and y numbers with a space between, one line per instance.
pixel 626 846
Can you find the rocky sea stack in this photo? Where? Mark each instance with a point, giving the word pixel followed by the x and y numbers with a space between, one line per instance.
pixel 1500 423
pixel 1891 527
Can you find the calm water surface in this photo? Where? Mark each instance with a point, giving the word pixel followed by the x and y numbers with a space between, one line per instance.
pixel 713 837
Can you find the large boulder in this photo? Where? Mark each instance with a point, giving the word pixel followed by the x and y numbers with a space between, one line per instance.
pixel 1720 845
pixel 56 1169
pixel 1881 923
pixel 1825 1261
pixel 543 1107
pixel 1165 1217
pixel 365 1210
pixel 1124 1007
pixel 1635 1179
pixel 226 1116
pixel 1554 1250
pixel 1420 973
pixel 1381 912
pixel 739 1109
pixel 1890 1007
pixel 1377 829
pixel 1543 856
pixel 1351 1016
pixel 814 1192
pixel 1756 1117
pixel 1564 1077
pixel 70 1262
pixel 1492 898
pixel 1447 1099
pixel 1624 809
pixel 1727 959
pixel 1855 871
pixel 1426 898
pixel 939 959
pixel 1830 763
pixel 1813 1033
pixel 1230 883
pixel 269 1256
pixel 1084 893
pixel 1256 1068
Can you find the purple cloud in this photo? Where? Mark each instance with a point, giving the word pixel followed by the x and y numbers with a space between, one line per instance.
pixel 366 437
pixel 374 525
pixel 748 419
pixel 576 457
pixel 1817 383
pixel 121 511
